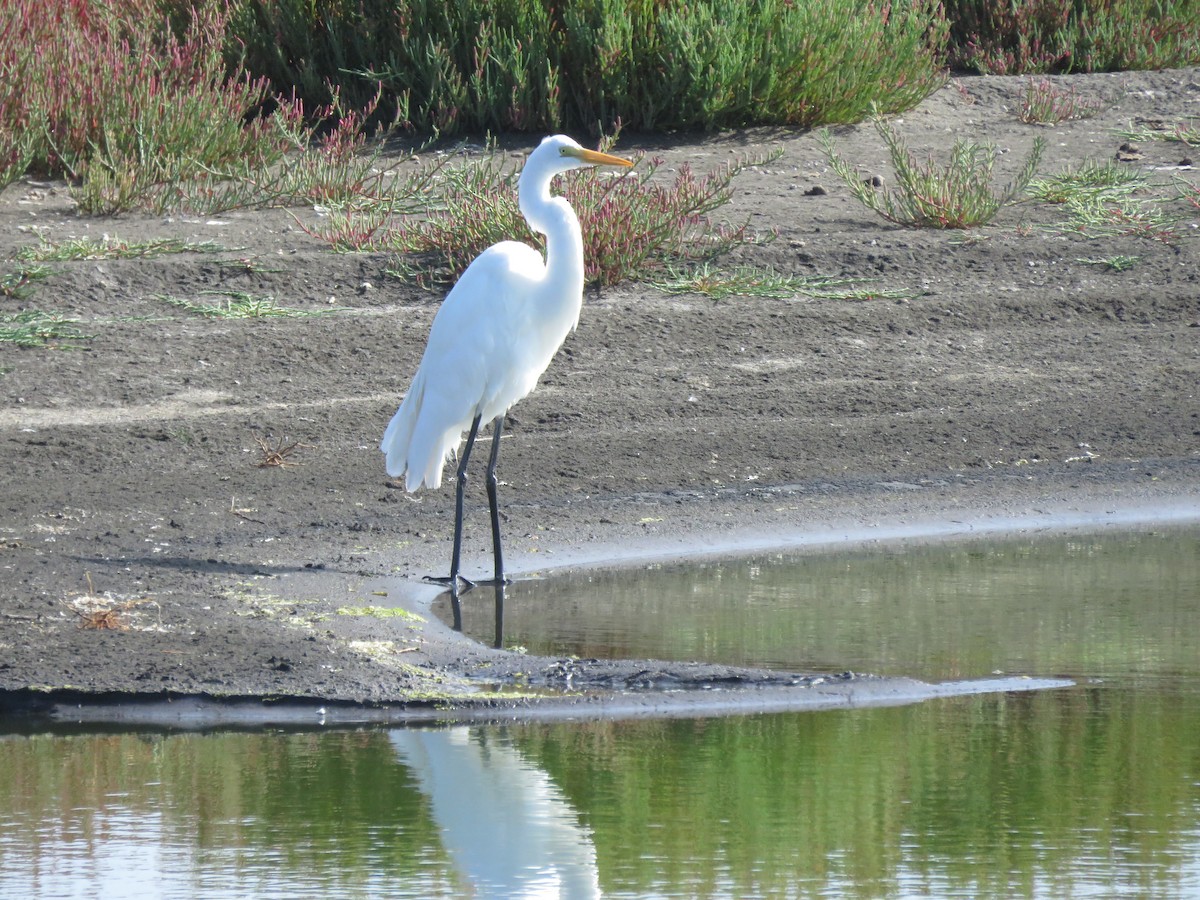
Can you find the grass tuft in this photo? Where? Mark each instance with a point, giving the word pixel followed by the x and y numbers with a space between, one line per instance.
pixel 751 281
pixel 1117 263
pixel 112 248
pixel 34 328
pixel 1158 130
pixel 18 283
pixel 739 281
pixel 957 194
pixel 242 305
pixel 1045 104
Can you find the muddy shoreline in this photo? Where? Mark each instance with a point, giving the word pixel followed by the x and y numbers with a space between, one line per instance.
pixel 1007 382
pixel 458 679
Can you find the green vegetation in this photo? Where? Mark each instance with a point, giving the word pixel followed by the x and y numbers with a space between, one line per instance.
pixel 1045 104
pixel 113 96
pixel 1050 36
pixel 529 65
pixel 959 194
pixel 151 104
pixel 241 305
pixel 1105 180
pixel 1118 263
pixel 632 224
pixel 1133 217
pixel 112 248
pixel 17 283
pixel 1105 199
pixel 1183 132
pixel 159 105
pixel 750 281
pixel 162 106
pixel 34 328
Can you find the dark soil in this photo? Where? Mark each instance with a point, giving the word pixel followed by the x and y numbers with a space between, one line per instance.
pixel 146 549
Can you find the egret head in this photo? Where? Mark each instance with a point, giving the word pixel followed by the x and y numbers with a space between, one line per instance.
pixel 559 153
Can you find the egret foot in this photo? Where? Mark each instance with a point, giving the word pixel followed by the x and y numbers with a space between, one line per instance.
pixel 452 582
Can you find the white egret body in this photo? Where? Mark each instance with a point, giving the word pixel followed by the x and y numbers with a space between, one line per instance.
pixel 493 337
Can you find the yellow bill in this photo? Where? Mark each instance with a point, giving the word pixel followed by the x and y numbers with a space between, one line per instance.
pixel 596 158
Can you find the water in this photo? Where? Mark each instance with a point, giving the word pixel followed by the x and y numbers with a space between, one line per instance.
pixel 1091 791
pixel 1085 605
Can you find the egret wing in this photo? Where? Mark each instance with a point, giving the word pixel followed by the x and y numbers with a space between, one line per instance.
pixel 469 364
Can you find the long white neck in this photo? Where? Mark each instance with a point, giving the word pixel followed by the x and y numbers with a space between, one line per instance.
pixel 553 217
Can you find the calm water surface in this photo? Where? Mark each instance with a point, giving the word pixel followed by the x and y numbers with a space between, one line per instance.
pixel 1091 791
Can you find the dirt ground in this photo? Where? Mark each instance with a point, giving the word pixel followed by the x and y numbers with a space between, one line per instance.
pixel 1005 378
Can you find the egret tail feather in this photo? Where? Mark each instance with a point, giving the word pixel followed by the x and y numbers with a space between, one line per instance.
pixel 416 446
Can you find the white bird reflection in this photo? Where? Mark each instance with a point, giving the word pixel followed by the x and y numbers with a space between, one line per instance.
pixel 508 829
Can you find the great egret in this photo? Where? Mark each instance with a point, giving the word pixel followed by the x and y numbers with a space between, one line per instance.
pixel 492 339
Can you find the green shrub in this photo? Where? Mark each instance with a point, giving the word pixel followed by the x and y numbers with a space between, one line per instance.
pixel 1052 36
pixel 632 224
pixel 118 98
pixel 957 194
pixel 534 65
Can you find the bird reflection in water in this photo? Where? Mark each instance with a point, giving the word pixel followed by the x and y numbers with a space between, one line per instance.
pixel 499 588
pixel 508 829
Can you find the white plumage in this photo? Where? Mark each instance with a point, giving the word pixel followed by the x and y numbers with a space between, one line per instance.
pixel 486 350
pixel 494 335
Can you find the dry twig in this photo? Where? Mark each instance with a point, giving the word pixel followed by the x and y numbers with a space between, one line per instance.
pixel 279 453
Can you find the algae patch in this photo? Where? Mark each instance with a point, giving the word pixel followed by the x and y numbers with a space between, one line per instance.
pixel 380 612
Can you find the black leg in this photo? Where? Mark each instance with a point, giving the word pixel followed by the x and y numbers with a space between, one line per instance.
pixel 493 502
pixel 499 642
pixel 456 554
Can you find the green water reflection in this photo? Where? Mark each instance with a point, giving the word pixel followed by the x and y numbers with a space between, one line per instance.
pixel 1080 792
pixel 1093 606
pixel 1063 793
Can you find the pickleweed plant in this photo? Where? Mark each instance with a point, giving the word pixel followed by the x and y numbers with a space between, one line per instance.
pixel 631 223
pixel 37 328
pixel 1106 199
pixel 17 147
pixel 1188 191
pixel 533 65
pixel 1105 180
pixel 1184 132
pixel 140 110
pixel 327 161
pixel 242 305
pixel 18 283
pixel 107 247
pixel 1051 36
pixel 1100 216
pixel 436 184
pixel 752 281
pixel 124 101
pixel 957 194
pixel 636 223
pixel 1044 103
